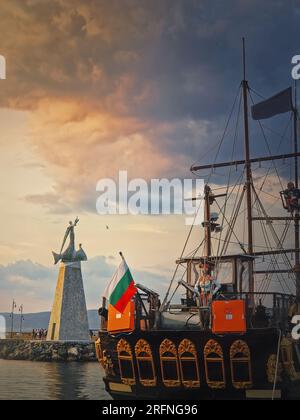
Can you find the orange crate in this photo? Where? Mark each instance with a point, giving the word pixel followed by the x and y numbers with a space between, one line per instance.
pixel 229 317
pixel 118 321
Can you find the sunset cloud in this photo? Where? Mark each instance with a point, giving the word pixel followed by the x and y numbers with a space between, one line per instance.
pixel 143 87
pixel 83 146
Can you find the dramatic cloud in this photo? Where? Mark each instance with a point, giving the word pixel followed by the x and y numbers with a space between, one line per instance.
pixel 133 84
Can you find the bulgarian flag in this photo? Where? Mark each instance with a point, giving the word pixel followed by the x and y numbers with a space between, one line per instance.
pixel 121 287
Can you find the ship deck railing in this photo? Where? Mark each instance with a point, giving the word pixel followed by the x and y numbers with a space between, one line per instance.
pixel 276 306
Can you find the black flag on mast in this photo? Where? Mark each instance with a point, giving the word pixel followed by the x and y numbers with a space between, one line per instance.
pixel 278 104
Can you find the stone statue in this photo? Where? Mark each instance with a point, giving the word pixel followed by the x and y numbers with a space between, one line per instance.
pixel 70 254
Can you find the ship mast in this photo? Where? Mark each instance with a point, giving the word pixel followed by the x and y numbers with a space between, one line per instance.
pixel 297 230
pixel 249 181
pixel 207 221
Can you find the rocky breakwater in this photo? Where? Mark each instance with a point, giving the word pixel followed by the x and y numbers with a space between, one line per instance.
pixel 47 351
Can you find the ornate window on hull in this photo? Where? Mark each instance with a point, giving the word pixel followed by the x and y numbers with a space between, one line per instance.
pixel 144 359
pixel 214 365
pixel 240 362
pixel 169 364
pixel 189 368
pixel 126 362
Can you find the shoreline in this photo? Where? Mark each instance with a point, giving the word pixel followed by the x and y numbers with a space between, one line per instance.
pixel 47 351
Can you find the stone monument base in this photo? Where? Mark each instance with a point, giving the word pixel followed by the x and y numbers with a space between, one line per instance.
pixel 69 320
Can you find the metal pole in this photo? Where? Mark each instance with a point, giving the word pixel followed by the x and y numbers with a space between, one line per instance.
pixel 103 324
pixel 12 318
pixel 21 319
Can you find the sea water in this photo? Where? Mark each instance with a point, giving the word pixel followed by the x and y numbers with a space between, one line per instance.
pixel 22 380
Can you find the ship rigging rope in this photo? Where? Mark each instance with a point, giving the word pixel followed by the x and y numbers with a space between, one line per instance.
pixel 237 243
pixel 255 180
pixel 274 262
pixel 267 144
pixel 229 175
pixel 266 282
pixel 223 136
pixel 277 199
pixel 191 255
pixel 273 232
pixel 231 225
pixel 237 205
pixel 191 229
pixel 232 222
pixel 279 244
pixel 282 136
pixel 165 301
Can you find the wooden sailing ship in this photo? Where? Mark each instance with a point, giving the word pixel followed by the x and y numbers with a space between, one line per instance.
pixel 234 344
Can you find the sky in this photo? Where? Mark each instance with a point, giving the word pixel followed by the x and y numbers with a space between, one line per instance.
pixel 94 87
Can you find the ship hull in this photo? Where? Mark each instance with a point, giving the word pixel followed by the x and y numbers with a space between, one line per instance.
pixel 210 367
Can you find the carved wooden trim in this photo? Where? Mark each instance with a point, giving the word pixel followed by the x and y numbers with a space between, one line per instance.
pixel 287 358
pixel 213 348
pixel 143 347
pixel 107 364
pixel 239 347
pixel 271 369
pixel 187 353
pixel 124 347
pixel 240 354
pixel 104 359
pixel 187 346
pixel 99 352
pixel 167 346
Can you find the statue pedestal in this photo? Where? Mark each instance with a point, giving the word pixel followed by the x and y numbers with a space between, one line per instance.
pixel 69 321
